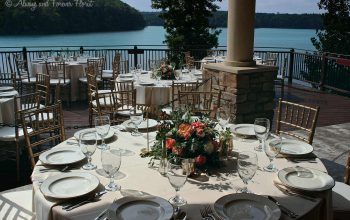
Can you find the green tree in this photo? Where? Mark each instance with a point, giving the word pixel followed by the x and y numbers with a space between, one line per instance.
pixel 334 36
pixel 187 23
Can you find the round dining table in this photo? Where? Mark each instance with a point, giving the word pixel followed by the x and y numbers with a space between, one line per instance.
pixel 151 92
pixel 139 176
pixel 74 70
pixel 7 107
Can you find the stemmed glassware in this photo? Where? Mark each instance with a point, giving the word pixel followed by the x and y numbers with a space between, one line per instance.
pixel 261 129
pixel 272 148
pixel 102 125
pixel 177 74
pixel 247 165
pixel 223 117
pixel 136 118
pixel 111 161
pixel 87 144
pixel 177 177
pixel 138 71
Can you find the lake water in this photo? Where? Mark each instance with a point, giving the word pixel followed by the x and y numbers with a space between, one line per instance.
pixel 154 35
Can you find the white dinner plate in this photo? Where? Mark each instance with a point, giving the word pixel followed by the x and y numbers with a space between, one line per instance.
pixel 69 185
pixel 295 147
pixel 246 206
pixel 145 208
pixel 6 88
pixel 198 73
pixel 246 130
pixel 109 135
pixel 146 83
pixel 126 75
pixel 62 156
pixel 305 179
pixel 151 124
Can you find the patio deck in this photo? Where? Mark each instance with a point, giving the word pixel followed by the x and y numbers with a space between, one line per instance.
pixel 330 142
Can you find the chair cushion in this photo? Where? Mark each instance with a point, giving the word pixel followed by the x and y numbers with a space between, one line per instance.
pixel 83 79
pixel 107 71
pixel 9 133
pixel 103 102
pixel 107 75
pixel 56 81
pixel 341 200
pixel 31 80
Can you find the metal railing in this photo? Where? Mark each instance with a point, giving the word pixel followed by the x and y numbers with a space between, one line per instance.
pixel 321 71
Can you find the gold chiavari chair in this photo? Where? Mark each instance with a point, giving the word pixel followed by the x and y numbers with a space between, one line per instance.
pixel 99 64
pixel 92 86
pixel 202 103
pixel 26 82
pixel 14 133
pixel 44 134
pixel 122 85
pixel 292 116
pixel 42 87
pixel 112 74
pixel 181 86
pixel 117 104
pixel 58 75
pixel 281 77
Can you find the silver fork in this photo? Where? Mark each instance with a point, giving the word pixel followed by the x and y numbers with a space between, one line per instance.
pixel 211 213
pixel 64 169
pixel 104 211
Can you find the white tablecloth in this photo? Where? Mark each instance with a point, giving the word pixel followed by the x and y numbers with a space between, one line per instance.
pixel 140 177
pixel 7 109
pixel 74 70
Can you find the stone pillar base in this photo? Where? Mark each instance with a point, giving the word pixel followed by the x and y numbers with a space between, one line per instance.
pixel 251 89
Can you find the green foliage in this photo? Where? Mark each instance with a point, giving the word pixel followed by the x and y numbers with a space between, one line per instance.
pixel 334 36
pixel 262 20
pixel 313 73
pixel 103 16
pixel 187 23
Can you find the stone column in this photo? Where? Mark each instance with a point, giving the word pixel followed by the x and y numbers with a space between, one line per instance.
pixel 240 33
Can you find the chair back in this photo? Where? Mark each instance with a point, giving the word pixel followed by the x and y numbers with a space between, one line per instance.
pixel 116 66
pixel 347 171
pixel 176 87
pixel 200 102
pixel 57 70
pixel 21 68
pixel 122 85
pixel 43 129
pixel 297 120
pixel 98 64
pixel 42 87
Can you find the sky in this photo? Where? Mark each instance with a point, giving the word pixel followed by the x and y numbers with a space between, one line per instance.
pixel 267 6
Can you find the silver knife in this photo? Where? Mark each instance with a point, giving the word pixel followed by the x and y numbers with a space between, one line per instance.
pixel 90 199
pixel 283 208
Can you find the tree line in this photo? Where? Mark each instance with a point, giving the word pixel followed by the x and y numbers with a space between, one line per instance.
pixel 262 20
pixel 102 16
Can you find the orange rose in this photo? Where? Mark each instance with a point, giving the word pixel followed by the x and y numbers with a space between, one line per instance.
pixel 185 130
pixel 170 143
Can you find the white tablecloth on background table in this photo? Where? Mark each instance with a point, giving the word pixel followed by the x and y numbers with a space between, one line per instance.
pixel 74 70
pixel 156 94
pixel 7 109
pixel 140 177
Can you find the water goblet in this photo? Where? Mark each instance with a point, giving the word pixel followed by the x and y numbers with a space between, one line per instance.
pixel 158 77
pixel 177 177
pixel 111 161
pixel 136 118
pixel 261 129
pixel 272 148
pixel 223 117
pixel 177 74
pixel 87 144
pixel 102 125
pixel 247 166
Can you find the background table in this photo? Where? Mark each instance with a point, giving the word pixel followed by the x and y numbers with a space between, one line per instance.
pixel 140 177
pixel 7 109
pixel 74 70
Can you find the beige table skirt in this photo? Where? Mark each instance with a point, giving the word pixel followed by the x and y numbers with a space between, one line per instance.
pixel 140 177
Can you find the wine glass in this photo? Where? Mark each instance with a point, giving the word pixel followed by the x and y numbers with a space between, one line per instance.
pixel 272 148
pixel 177 74
pixel 223 117
pixel 136 118
pixel 102 125
pixel 87 144
pixel 177 177
pixel 261 129
pixel 111 161
pixel 247 165
pixel 158 77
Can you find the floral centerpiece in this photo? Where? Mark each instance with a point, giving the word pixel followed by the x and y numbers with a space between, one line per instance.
pixel 166 71
pixel 188 137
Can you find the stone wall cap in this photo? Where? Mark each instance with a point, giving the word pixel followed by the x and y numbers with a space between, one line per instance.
pixel 240 70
